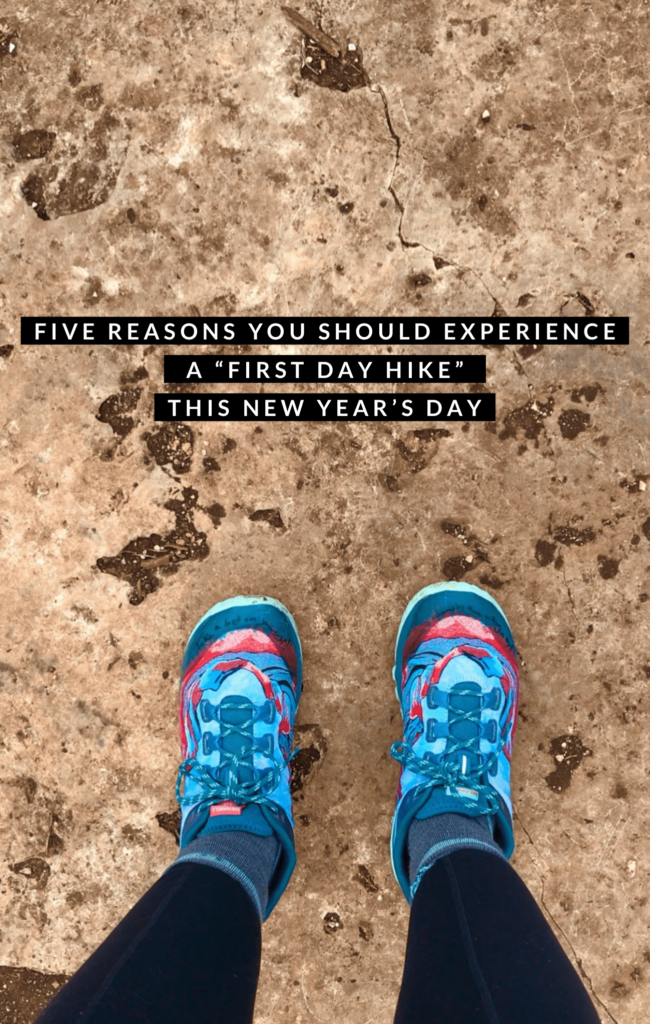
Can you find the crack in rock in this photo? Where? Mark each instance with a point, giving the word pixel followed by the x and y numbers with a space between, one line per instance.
pixel 439 261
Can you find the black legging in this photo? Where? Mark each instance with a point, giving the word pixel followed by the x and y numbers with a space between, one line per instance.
pixel 479 952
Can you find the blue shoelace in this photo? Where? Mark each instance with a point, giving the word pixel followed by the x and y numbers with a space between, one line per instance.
pixel 449 773
pixel 214 789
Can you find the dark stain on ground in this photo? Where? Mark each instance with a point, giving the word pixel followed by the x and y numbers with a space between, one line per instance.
pixel 34 868
pixel 634 486
pixel 211 465
pixel 589 392
pixel 645 529
pixel 216 513
pixel 343 73
pixel 33 191
pixel 414 449
pixel 454 530
pixel 332 924
pixel 619 791
pixel 573 422
pixel 365 931
pixel 268 515
pixel 172 444
pixel 140 561
pixel 572 537
pixel 492 581
pixel 364 877
pixel 85 171
pixel 457 567
pixel 133 376
pixel 586 303
pixel 24 993
pixel 114 409
pixel 528 418
pixel 301 766
pixel 91 97
pixel 33 145
pixel 431 433
pixel 170 823
pixel 544 552
pixel 8 45
pixel 54 844
pixel 419 280
pixel 527 351
pixel 5 351
pixel 390 483
pixel 568 751
pixel 608 567
pixel 28 786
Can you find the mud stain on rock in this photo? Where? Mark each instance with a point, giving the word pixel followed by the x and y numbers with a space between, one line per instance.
pixel 365 879
pixel 170 822
pixel 216 512
pixel 311 754
pixel 34 868
pixel 572 537
pixel 589 392
pixel 529 419
pixel 24 993
pixel 415 450
pixel 33 145
pixel 142 560
pixel 457 567
pixel 568 752
pixel 83 171
pixel 333 923
pixel 608 567
pixel 271 516
pixel 172 445
pixel 545 552
pixel 114 411
pixel 573 422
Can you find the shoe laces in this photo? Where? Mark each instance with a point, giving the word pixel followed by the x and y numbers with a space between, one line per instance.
pixel 448 769
pixel 227 780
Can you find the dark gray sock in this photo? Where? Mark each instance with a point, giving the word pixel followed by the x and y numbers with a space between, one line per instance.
pixel 248 858
pixel 434 837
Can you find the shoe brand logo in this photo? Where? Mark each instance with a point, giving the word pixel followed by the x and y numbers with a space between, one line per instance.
pixel 470 794
pixel 226 807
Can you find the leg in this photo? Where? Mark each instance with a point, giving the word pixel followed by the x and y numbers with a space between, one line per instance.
pixel 480 951
pixel 188 951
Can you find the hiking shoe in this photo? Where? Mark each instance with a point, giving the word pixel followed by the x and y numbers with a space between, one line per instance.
pixel 457 682
pixel 241 680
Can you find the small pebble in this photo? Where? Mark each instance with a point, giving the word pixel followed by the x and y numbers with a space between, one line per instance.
pixel 485 115
pixel 351 46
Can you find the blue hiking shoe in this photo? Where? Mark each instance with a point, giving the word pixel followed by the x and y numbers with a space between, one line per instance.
pixel 241 680
pixel 457 682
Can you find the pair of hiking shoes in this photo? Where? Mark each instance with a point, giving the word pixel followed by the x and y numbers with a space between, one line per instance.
pixel 455 677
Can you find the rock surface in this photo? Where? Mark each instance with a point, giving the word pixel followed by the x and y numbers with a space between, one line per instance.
pixel 170 159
